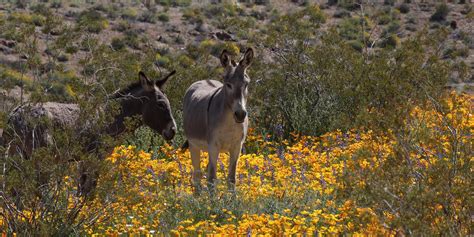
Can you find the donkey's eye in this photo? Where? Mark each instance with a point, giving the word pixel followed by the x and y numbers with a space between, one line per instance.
pixel 161 105
pixel 229 85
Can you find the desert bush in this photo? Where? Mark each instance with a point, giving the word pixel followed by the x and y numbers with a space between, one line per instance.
pixel 456 51
pixel 163 17
pixel 349 5
pixel 354 28
pixel 129 13
pixel 122 26
pixel 391 40
pixel 404 8
pixel 441 13
pixel 92 21
pixel 307 91
pixel 221 10
pixel 408 179
pixel 117 43
pixel 161 60
pixel 193 15
pixel 356 44
pixel 11 78
pixel 393 27
pixel 131 39
pixel 341 13
pixel 384 19
pixel 56 4
pixel 148 16
pixel 175 3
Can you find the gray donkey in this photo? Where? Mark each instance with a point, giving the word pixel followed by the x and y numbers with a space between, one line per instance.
pixel 215 117
pixel 143 98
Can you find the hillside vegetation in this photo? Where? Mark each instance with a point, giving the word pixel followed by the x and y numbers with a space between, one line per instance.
pixel 360 117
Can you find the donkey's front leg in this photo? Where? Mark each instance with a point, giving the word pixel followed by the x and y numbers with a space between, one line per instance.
pixel 212 166
pixel 234 157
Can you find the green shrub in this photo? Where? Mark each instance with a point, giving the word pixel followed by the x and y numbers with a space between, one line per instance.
pixel 163 17
pixel 56 4
pixel 40 8
pixel 129 13
pixel 131 39
pixel 356 44
pixel 342 13
pixel 404 8
pixel 179 39
pixel 441 13
pixel 320 94
pixel 148 16
pixel 38 20
pixel 92 21
pixel 122 26
pixel 384 19
pixel 393 27
pixel 351 28
pixel 391 41
pixel 161 60
pixel 315 14
pixel 185 61
pixel 193 15
pixel 10 78
pixel 349 5
pixel 117 43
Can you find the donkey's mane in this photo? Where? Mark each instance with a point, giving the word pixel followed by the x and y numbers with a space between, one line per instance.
pixel 125 91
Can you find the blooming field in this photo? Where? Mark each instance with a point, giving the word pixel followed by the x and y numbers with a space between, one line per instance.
pixel 416 180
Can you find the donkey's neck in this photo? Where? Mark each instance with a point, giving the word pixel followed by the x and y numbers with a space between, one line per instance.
pixel 129 107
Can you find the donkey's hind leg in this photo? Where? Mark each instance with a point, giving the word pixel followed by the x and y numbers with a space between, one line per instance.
pixel 196 161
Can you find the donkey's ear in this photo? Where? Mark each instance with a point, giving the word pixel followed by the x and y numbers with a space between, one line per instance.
pixel 248 58
pixel 160 83
pixel 225 58
pixel 146 83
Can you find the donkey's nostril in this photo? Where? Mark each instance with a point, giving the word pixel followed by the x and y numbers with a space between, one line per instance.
pixel 240 115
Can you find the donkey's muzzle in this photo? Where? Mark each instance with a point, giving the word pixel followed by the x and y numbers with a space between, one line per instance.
pixel 240 116
pixel 169 133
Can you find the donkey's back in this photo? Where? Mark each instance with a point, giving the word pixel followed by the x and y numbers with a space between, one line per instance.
pixel 196 105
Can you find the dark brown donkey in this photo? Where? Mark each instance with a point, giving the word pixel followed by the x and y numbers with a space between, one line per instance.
pixel 143 98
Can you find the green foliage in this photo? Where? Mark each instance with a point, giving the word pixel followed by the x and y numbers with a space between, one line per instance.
pixel 161 60
pixel 193 15
pixel 129 13
pixel 390 41
pixel 356 44
pixel 92 21
pixel 10 78
pixel 117 43
pixel 221 10
pixel 163 17
pixel 442 11
pixel 341 13
pixel 148 16
pixel 175 3
pixel 404 8
pixel 354 28
pixel 329 92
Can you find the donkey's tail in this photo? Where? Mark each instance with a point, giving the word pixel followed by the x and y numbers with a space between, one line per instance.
pixel 185 145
